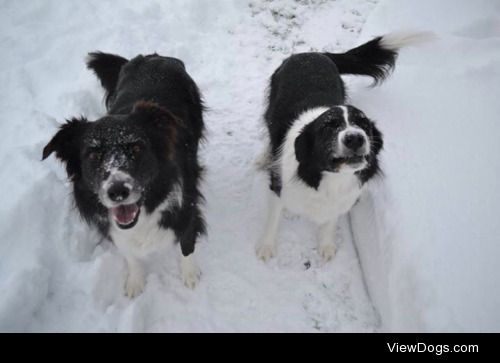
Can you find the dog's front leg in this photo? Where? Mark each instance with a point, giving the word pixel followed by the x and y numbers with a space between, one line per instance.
pixel 135 278
pixel 266 246
pixel 326 239
pixel 190 271
pixel 134 284
pixel 189 268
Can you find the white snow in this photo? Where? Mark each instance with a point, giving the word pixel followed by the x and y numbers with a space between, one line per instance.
pixel 428 232
pixel 57 275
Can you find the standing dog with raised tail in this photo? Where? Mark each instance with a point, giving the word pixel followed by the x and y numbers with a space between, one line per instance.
pixel 135 171
pixel 322 151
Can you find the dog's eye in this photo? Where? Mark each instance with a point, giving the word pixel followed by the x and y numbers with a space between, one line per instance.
pixel 136 149
pixel 94 155
pixel 363 122
pixel 333 126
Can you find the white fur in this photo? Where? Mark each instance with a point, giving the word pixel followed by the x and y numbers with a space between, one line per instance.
pixel 398 40
pixel 350 129
pixel 190 271
pixel 326 240
pixel 336 193
pixel 346 115
pixel 334 197
pixel 263 160
pixel 145 237
pixel 265 248
pixel 136 280
pixel 116 175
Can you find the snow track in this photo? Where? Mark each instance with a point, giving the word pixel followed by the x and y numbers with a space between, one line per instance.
pixel 57 275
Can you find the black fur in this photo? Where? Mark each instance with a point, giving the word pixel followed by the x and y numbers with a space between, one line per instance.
pixel 309 80
pixel 155 122
pixel 369 59
pixel 107 69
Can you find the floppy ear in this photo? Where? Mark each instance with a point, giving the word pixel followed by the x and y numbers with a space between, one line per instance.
pixel 65 144
pixel 159 116
pixel 377 142
pixel 304 145
pixel 162 126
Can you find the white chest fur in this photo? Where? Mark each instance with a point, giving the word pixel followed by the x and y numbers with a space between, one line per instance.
pixel 336 193
pixel 335 196
pixel 147 235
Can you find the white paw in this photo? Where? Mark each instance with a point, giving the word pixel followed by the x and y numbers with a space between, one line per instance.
pixel 134 285
pixel 265 252
pixel 327 251
pixel 191 273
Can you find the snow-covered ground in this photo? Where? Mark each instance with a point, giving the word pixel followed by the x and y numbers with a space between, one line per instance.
pixel 55 275
pixel 426 233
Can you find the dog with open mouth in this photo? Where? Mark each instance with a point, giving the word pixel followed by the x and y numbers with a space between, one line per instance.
pixel 135 172
pixel 321 150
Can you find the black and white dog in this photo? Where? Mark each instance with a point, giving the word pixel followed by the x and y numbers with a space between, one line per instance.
pixel 322 151
pixel 135 171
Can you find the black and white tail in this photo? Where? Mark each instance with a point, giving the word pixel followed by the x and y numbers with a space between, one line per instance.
pixel 107 68
pixel 377 57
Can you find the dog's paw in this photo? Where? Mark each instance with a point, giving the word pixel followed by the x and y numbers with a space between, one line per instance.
pixel 327 251
pixel 191 273
pixel 134 285
pixel 265 252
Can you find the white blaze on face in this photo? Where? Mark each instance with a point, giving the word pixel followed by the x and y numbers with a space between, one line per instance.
pixel 117 176
pixel 348 130
pixel 123 204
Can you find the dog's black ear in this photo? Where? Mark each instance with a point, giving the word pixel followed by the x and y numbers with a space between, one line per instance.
pixel 161 125
pixel 107 68
pixel 65 144
pixel 159 116
pixel 304 145
pixel 377 142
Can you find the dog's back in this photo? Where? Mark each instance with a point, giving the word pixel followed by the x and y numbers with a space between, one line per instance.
pixel 310 80
pixel 153 78
pixel 303 81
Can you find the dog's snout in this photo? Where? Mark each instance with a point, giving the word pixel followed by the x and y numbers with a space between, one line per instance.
pixel 354 141
pixel 118 192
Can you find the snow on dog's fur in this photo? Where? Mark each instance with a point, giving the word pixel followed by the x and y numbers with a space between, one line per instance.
pixel 135 171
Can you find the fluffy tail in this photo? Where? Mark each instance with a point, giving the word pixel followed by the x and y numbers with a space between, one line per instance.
pixel 107 68
pixel 377 57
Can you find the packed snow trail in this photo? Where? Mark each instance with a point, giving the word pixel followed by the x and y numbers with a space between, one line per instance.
pixel 58 275
pixel 428 236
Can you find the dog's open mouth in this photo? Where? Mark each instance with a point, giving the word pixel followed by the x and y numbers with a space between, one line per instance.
pixel 126 216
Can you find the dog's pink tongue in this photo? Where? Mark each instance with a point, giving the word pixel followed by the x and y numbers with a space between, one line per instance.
pixel 125 214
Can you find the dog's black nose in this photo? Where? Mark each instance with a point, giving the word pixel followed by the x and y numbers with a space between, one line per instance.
pixel 118 192
pixel 354 141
